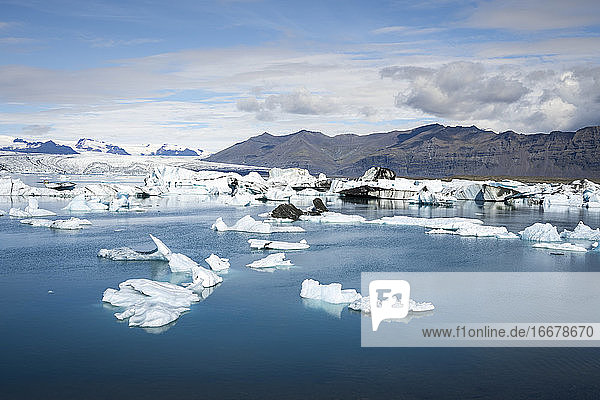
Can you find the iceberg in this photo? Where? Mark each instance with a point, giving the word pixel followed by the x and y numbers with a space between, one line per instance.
pixel 364 304
pixel 581 232
pixel 476 230
pixel 203 278
pixel 127 254
pixel 276 245
pixel 332 293
pixel 66 224
pixel 80 204
pixel 448 223
pixel 249 224
pixel 150 303
pixel 271 261
pixel 333 218
pixel 560 246
pixel 217 263
pixel 32 210
pixel 539 232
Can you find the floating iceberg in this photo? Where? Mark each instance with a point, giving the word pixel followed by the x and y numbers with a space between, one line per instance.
pixel 448 223
pixel 581 232
pixel 217 263
pixel 127 254
pixel 31 211
pixel 332 293
pixel 539 232
pixel 363 304
pixel 66 224
pixel 150 303
pixel 249 224
pixel 276 245
pixel 333 218
pixel 476 230
pixel 80 204
pixel 560 246
pixel 203 278
pixel 271 261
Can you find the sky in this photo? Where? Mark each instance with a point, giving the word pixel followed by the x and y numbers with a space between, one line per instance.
pixel 209 74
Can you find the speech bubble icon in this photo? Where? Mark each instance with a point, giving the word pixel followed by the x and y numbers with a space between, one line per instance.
pixel 389 300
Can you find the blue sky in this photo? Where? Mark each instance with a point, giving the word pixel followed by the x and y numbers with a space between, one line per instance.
pixel 209 74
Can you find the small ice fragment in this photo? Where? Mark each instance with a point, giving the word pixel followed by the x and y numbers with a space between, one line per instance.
pixel 271 261
pixel 277 245
pixel 332 293
pixel 217 263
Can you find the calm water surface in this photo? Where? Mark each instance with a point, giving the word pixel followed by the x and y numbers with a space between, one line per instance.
pixel 254 337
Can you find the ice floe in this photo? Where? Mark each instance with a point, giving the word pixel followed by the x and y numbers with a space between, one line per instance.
pixel 448 223
pixel 150 303
pixel 560 246
pixel 271 261
pixel 333 218
pixel 540 232
pixel 32 210
pixel 332 293
pixel 363 304
pixel 277 245
pixel 81 204
pixel 581 232
pixel 249 224
pixel 66 224
pixel 477 230
pixel 217 263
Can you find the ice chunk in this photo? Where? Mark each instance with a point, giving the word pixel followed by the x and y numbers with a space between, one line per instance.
pixel 448 223
pixel 181 263
pixel 150 303
pixel 582 232
pixel 127 254
pixel 80 204
pixel 66 224
pixel 203 278
pixel 31 211
pixel 332 293
pixel 539 232
pixel 271 261
pixel 476 230
pixel 2 212
pixel 161 247
pixel 333 218
pixel 217 263
pixel 276 245
pixel 363 304
pixel 560 246
pixel 249 224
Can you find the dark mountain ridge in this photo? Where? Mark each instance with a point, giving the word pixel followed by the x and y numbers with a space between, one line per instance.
pixel 428 151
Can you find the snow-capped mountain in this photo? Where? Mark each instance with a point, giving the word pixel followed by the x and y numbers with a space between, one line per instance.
pixel 99 146
pixel 48 147
pixel 176 150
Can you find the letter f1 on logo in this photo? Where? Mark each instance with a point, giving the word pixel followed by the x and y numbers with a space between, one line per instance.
pixel 389 300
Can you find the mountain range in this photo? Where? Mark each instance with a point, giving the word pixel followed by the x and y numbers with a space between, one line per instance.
pixel 428 151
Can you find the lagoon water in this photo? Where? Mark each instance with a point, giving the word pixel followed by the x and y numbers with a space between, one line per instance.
pixel 254 337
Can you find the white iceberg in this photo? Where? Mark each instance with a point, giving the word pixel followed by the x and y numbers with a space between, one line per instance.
pixel 560 247
pixel 448 223
pixel 476 230
pixel 332 293
pixel 203 278
pixel 333 218
pixel 32 210
pixel 217 263
pixel 150 303
pixel 80 204
pixel 271 261
pixel 66 224
pixel 581 232
pixel 364 304
pixel 249 224
pixel 539 232
pixel 277 245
